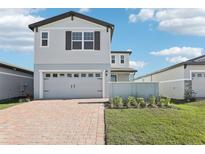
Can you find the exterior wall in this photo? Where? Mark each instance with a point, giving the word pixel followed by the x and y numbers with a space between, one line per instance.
pixel 75 67
pixel 56 57
pixel 171 82
pixel 174 89
pixel 117 63
pixel 190 68
pixel 15 84
pixel 56 53
pixel 125 89
pixel 121 76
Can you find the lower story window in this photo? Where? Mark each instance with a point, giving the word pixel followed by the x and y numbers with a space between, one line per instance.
pixel 113 78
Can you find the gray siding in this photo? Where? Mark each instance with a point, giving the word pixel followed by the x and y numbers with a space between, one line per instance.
pixel 15 84
pixel 56 52
pixel 171 82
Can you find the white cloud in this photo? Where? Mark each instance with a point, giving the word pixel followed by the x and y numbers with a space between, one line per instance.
pixel 178 21
pixel 143 15
pixel 137 64
pixel 177 59
pixel 186 51
pixel 14 32
pixel 179 54
pixel 84 10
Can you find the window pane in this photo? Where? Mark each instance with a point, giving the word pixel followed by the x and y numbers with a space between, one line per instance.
pixel 69 75
pixel 193 74
pixel 113 59
pixel 97 75
pixel 88 45
pixel 90 75
pixel 55 75
pixel 113 78
pixel 88 35
pixel 77 36
pixel 83 75
pixel 62 75
pixel 45 35
pixel 76 75
pixel 77 45
pixel 48 75
pixel 44 42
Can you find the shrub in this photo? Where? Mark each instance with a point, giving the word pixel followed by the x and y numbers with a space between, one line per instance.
pixel 131 101
pixel 152 100
pixel 161 102
pixel 141 102
pixel 167 102
pixel 117 102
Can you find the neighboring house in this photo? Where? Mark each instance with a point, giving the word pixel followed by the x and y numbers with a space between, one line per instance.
pixel 174 80
pixel 72 57
pixel 120 69
pixel 15 81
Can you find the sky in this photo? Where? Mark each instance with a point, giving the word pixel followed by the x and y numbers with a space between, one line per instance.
pixel 157 37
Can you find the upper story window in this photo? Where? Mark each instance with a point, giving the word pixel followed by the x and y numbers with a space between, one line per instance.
pixel 77 40
pixel 122 59
pixel 113 59
pixel 88 40
pixel 82 40
pixel 44 39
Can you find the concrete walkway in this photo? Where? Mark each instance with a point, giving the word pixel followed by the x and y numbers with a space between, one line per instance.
pixel 53 122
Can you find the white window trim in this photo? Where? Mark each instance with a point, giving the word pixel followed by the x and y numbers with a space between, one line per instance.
pixel 122 59
pixel 44 39
pixel 82 49
pixel 114 59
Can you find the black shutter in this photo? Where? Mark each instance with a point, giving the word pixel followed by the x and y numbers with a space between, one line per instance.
pixel 68 40
pixel 97 40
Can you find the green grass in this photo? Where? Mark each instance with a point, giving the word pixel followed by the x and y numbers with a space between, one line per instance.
pixel 185 125
pixel 9 103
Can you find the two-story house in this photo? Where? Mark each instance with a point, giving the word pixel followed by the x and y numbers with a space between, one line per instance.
pixel 120 68
pixel 73 57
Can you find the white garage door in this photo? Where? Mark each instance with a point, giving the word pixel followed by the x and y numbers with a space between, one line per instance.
pixel 72 85
pixel 198 84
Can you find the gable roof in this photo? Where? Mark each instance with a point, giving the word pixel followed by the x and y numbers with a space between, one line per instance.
pixel 13 67
pixel 129 52
pixel 71 14
pixel 193 61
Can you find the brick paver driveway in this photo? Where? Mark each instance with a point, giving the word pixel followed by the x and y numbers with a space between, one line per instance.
pixel 53 122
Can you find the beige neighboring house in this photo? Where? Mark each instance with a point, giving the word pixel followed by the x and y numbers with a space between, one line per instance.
pixel 174 80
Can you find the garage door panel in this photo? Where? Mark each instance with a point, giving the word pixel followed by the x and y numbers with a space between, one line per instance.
pixel 198 84
pixel 72 87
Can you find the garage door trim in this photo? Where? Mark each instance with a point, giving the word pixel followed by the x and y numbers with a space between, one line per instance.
pixel 94 71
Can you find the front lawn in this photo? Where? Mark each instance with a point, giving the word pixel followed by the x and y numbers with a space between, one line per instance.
pixel 9 103
pixel 185 125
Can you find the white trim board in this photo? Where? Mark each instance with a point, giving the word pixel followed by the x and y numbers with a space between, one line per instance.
pixel 70 71
pixel 174 80
pixel 70 28
pixel 11 74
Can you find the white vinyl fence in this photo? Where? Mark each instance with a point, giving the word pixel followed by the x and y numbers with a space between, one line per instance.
pixel 137 89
